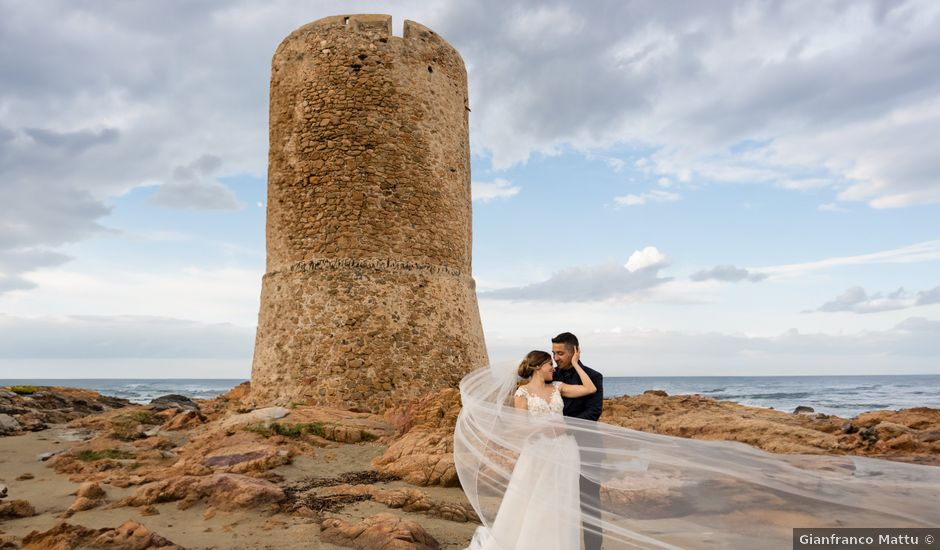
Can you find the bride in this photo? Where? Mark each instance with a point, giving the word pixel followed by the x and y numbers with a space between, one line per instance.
pixel 527 514
pixel 518 461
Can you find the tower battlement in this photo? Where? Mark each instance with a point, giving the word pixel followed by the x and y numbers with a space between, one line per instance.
pixel 378 25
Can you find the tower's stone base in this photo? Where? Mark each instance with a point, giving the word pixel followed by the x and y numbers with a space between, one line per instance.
pixel 364 334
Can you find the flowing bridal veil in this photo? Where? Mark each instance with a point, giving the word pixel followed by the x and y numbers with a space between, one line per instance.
pixel 661 491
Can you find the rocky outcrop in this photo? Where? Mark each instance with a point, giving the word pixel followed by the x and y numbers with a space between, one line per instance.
pixel 899 435
pixel 221 491
pixel 407 499
pixel 33 408
pixel 14 509
pixel 379 532
pixel 174 401
pixel 423 454
pixel 138 445
pixel 129 536
pixel 89 495
pixel 257 416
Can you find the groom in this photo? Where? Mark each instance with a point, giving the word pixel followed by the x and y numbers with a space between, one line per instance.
pixel 588 408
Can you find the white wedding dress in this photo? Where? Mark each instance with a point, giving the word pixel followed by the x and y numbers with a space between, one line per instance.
pixel 528 516
pixel 658 491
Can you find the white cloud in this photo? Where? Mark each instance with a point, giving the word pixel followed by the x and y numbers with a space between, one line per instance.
pixel 593 283
pixel 192 188
pixel 655 195
pixel 856 300
pixel 487 191
pixel 805 184
pixel 223 295
pixel 14 263
pixel 910 346
pixel 737 92
pixel 928 251
pixel 86 336
pixel 831 207
pixel 728 273
pixel 649 257
pixel 629 200
pixel 844 92
pixel 615 164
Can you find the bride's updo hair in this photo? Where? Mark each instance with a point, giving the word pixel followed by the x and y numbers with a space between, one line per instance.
pixel 532 361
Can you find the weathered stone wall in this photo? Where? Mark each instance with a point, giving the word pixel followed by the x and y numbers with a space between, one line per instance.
pixel 368 297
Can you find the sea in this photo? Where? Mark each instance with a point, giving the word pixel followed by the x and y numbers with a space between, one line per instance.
pixel 845 396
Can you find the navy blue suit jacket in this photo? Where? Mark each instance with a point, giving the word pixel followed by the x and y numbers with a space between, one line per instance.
pixel 588 407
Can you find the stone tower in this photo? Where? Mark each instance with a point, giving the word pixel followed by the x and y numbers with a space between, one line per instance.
pixel 368 297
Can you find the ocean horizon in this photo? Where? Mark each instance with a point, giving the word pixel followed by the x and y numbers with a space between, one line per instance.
pixel 842 395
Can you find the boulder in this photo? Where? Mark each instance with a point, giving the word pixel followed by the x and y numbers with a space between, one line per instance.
pixel 184 420
pixel 661 393
pixel 930 436
pixel 802 409
pixel 89 495
pixel 221 491
pixel 90 489
pixel 423 455
pixel 9 425
pixel 405 498
pixel 379 532
pixel 174 401
pixel 258 416
pixel 129 536
pixel 14 509
pixel 35 408
pixel 890 430
pixel 81 504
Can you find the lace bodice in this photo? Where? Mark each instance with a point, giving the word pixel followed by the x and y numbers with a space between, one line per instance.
pixel 540 407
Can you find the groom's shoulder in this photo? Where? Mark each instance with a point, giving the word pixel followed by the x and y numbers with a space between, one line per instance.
pixel 591 372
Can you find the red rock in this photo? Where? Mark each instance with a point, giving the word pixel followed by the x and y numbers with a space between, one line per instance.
pixel 886 434
pixel 13 509
pixel 129 536
pixel 246 458
pixel 91 490
pixel 222 491
pixel 406 498
pixel 89 495
pixel 423 455
pixel 184 420
pixel 379 532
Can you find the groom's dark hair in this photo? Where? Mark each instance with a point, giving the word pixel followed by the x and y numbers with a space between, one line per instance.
pixel 566 338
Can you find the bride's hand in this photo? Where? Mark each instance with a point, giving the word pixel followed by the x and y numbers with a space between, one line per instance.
pixel 576 358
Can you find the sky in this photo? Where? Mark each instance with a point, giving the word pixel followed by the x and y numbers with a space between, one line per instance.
pixel 693 188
